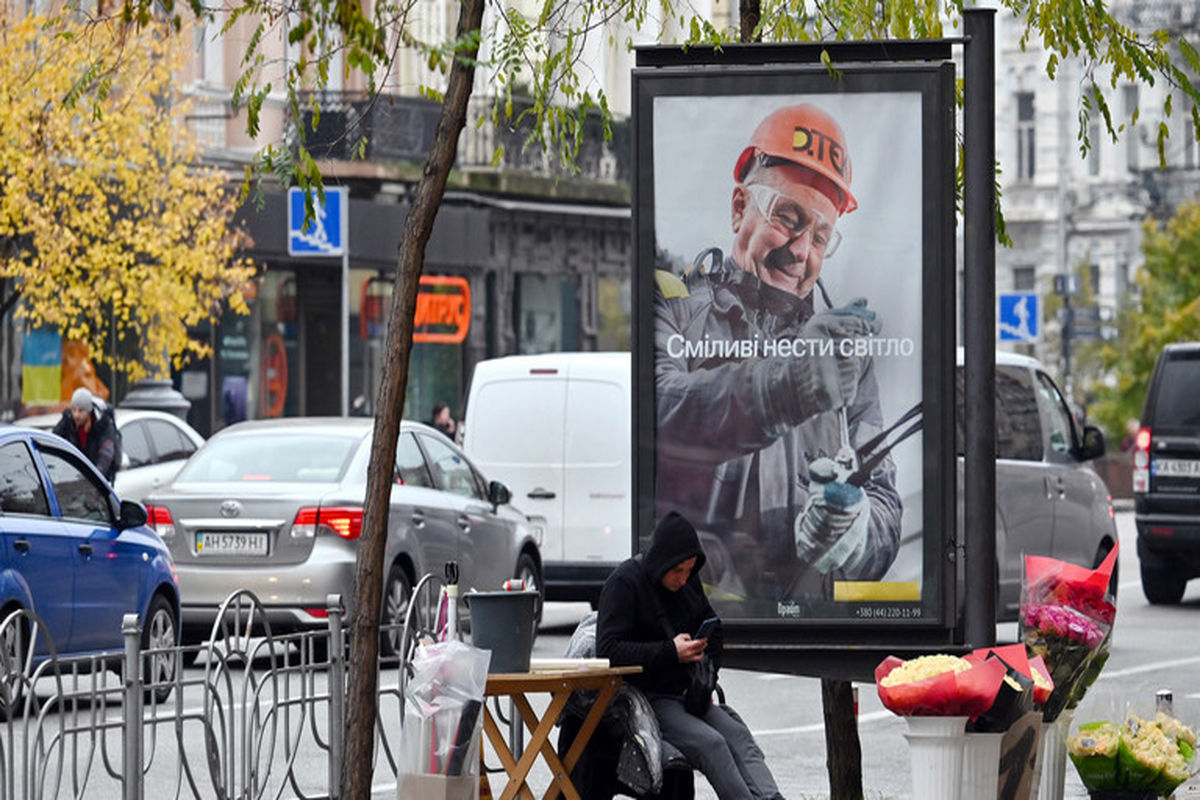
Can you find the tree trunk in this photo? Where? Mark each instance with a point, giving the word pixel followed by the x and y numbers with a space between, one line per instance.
pixel 843 753
pixel 363 672
pixel 749 14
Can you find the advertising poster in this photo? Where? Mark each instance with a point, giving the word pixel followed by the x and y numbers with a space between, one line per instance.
pixel 792 231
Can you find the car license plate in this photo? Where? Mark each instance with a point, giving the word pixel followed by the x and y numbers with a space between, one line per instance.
pixel 232 544
pixel 1175 468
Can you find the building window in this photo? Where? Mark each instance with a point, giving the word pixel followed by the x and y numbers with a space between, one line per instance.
pixel 1025 136
pixel 546 313
pixel 1024 279
pixel 1129 101
pixel 1094 277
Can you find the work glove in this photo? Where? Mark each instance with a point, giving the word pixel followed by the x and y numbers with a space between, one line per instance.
pixel 853 320
pixel 787 391
pixel 831 532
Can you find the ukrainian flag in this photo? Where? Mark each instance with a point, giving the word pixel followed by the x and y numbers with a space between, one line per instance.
pixel 41 368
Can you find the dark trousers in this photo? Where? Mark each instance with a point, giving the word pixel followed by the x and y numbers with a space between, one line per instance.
pixel 719 745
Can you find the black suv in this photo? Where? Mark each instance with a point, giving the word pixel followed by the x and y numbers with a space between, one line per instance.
pixel 1166 475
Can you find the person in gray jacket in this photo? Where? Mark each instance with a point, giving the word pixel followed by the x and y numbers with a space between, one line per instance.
pixel 764 394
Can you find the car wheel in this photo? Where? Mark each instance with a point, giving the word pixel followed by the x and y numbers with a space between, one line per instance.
pixel 397 594
pixel 1162 587
pixel 161 634
pixel 14 644
pixel 528 573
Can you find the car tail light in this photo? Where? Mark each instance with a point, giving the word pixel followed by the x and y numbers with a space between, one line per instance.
pixel 343 521
pixel 159 518
pixel 1141 460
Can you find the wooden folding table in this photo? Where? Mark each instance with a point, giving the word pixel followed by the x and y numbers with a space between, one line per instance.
pixel 558 684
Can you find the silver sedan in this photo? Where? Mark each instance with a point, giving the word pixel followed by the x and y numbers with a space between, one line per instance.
pixel 276 506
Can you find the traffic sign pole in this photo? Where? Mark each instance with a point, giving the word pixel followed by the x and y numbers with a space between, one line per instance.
pixel 314 239
pixel 345 209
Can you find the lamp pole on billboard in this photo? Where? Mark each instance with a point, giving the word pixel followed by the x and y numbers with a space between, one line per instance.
pixel 979 299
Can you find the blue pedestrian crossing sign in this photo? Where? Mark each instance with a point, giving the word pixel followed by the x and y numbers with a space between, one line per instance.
pixel 1020 313
pixel 325 234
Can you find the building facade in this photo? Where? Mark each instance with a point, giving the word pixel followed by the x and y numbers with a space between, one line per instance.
pixel 536 257
pixel 1079 214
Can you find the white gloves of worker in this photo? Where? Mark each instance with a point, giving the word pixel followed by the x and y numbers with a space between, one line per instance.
pixel 831 533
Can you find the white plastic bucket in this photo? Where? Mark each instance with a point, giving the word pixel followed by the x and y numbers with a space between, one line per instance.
pixel 981 766
pixel 1052 759
pixel 936 748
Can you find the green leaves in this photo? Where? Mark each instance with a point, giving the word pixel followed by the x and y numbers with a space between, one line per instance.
pixel 114 232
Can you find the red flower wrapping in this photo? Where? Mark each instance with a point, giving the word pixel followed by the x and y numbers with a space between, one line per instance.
pixel 950 694
pixel 1068 615
pixel 1041 695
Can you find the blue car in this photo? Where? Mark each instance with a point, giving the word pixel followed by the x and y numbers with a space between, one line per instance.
pixel 80 558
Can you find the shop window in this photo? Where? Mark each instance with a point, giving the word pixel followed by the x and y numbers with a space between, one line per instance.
pixel 547 313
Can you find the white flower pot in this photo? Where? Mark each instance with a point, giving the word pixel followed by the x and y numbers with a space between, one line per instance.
pixel 936 750
pixel 981 766
pixel 1052 759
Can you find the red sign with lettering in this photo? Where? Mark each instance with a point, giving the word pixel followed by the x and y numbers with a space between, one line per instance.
pixel 443 313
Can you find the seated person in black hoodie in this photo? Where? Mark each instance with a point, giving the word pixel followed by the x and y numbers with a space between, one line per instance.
pixel 644 599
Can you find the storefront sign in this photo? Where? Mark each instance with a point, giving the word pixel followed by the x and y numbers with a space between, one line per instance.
pixel 443 314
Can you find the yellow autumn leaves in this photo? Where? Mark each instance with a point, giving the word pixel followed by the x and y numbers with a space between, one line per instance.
pixel 110 228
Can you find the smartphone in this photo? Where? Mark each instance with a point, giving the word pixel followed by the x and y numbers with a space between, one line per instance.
pixel 706 628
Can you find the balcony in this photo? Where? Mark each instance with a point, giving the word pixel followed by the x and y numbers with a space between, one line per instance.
pixel 401 129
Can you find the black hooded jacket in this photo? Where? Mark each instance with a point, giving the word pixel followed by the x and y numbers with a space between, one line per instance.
pixel 103 443
pixel 636 610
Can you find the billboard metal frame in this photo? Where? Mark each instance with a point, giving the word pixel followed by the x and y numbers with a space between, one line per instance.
pixel 825 646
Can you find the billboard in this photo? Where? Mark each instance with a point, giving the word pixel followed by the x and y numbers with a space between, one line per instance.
pixel 794 337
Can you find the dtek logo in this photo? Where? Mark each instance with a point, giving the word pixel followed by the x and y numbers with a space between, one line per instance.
pixel 820 148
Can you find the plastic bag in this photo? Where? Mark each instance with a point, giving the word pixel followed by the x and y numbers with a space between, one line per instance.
pixel 443 710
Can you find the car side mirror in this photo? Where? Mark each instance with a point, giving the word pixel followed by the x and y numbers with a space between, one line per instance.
pixel 498 494
pixel 1092 445
pixel 133 514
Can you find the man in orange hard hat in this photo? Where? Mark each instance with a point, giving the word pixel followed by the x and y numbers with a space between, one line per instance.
pixel 763 397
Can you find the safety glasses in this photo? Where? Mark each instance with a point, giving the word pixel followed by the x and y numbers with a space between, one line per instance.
pixel 792 219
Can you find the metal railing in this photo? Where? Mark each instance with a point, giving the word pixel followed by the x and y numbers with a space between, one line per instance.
pixel 263 718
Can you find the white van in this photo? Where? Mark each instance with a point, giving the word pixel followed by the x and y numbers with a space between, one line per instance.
pixel 556 429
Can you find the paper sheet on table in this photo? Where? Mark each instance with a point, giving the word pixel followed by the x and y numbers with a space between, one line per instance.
pixel 566 664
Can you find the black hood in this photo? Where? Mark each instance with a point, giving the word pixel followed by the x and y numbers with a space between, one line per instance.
pixel 674 540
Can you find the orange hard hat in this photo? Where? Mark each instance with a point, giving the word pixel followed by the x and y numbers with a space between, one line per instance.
pixel 807 136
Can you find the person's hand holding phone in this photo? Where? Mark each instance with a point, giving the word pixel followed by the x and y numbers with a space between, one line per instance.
pixel 687 649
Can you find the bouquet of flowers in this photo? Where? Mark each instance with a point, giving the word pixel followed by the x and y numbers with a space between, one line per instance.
pixel 1147 756
pixel 1067 613
pixel 939 685
pixel 1023 685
